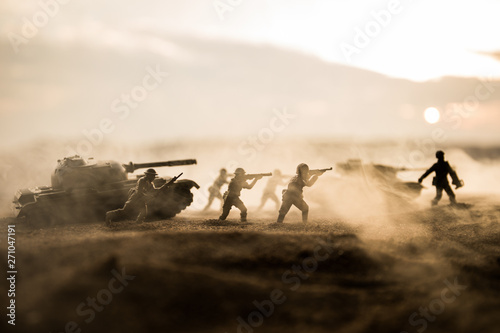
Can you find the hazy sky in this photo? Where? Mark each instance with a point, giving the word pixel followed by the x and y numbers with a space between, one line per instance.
pixel 443 34
pixel 232 63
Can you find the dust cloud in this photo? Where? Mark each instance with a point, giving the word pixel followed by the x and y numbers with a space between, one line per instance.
pixel 336 195
pixel 389 256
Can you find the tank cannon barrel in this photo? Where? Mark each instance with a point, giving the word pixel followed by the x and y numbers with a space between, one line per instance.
pixel 389 168
pixel 131 167
pixel 411 169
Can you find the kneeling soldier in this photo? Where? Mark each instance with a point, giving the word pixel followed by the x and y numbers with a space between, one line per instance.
pixel 232 196
pixel 136 205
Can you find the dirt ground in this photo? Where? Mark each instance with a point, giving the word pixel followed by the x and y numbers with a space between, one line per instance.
pixel 430 269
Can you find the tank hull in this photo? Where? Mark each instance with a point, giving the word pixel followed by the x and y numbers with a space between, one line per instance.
pixel 46 205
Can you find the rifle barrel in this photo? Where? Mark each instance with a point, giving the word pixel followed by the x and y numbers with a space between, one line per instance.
pixel 253 175
pixel 327 169
pixel 319 171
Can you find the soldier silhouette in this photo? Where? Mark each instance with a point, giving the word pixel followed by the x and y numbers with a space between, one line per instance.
pixel 214 190
pixel 232 195
pixel 270 189
pixel 442 168
pixel 136 205
pixel 293 194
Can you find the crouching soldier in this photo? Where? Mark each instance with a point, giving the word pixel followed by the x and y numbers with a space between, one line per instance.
pixel 232 196
pixel 442 168
pixel 136 205
pixel 293 194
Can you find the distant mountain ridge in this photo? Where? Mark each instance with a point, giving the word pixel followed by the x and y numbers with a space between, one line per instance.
pixel 220 88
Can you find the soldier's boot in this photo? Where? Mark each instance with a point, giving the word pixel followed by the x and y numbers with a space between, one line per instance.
pixel 207 207
pixel 304 216
pixel 225 213
pixel 434 202
pixel 223 216
pixel 281 218
pixel 142 216
pixel 109 219
pixel 453 201
pixel 243 217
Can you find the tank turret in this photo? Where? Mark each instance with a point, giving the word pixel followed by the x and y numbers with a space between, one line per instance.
pixel 385 177
pixel 76 172
pixel 85 188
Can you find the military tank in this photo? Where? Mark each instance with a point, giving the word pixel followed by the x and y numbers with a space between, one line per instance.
pixel 83 189
pixel 364 188
pixel 384 177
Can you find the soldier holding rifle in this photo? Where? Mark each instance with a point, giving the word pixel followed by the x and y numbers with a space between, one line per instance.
pixel 136 204
pixel 232 195
pixel 293 194
pixel 214 190
pixel 270 191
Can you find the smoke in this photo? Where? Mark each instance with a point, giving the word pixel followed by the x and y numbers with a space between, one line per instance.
pixel 353 199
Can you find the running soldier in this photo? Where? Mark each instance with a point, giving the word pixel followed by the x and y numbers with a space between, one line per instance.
pixel 442 168
pixel 270 189
pixel 293 194
pixel 232 195
pixel 214 190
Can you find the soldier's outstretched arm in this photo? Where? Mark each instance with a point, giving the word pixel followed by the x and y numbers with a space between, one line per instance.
pixel 312 180
pixel 450 169
pixel 170 182
pixel 431 169
pixel 252 184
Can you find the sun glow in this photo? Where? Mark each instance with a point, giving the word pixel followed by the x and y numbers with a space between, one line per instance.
pixel 432 115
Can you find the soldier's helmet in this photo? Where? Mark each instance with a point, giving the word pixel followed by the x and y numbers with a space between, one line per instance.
pixel 302 168
pixel 150 172
pixel 440 154
pixel 222 171
pixel 239 171
pixel 277 172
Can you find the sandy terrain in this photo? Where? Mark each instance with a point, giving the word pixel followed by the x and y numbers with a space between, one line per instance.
pixel 431 269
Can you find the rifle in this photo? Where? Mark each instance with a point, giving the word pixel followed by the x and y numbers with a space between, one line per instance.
pixel 255 175
pixel 170 182
pixel 455 180
pixel 318 172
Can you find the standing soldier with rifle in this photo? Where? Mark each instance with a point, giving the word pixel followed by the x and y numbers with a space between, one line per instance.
pixel 214 190
pixel 232 195
pixel 293 194
pixel 442 168
pixel 270 190
pixel 136 204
